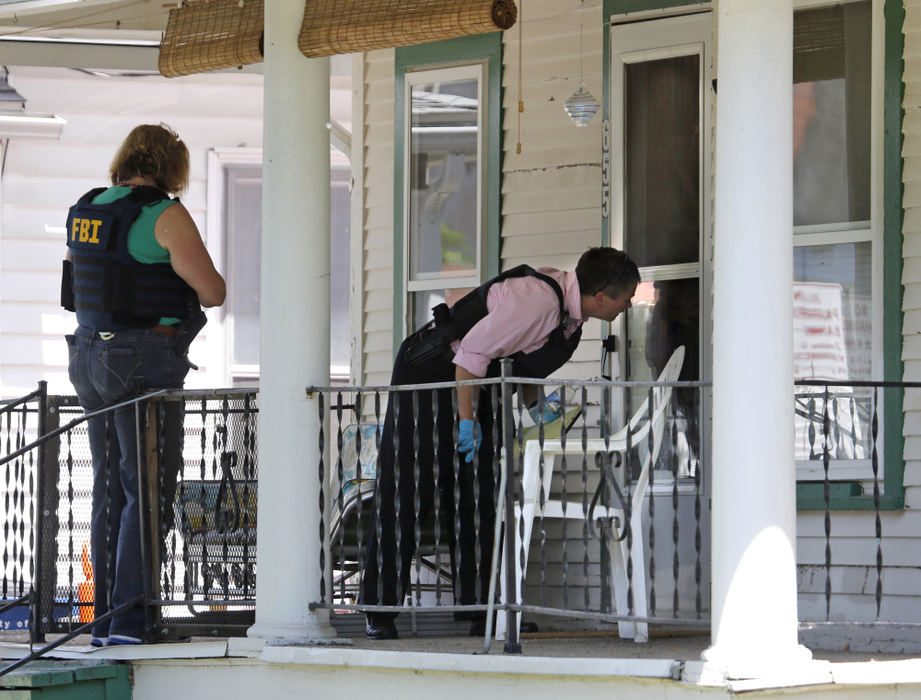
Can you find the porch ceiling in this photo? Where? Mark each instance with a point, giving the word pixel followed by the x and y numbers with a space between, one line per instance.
pixel 100 34
pixel 84 18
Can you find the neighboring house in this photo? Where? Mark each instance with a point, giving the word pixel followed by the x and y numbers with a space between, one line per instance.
pixel 219 116
pixel 464 163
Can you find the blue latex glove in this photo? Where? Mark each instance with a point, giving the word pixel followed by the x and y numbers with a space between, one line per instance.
pixel 547 410
pixel 468 438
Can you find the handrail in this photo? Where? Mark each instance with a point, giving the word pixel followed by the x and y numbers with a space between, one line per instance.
pixel 73 634
pixel 76 421
pixel 13 403
pixel 21 600
pixel 490 381
pixel 862 383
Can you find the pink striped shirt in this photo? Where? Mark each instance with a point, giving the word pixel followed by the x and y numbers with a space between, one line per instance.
pixel 522 311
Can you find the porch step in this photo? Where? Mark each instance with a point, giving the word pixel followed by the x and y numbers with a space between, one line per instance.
pixel 434 623
pixel 70 680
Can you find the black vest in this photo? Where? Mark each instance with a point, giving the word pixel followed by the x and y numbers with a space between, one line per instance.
pixel 108 288
pixel 543 361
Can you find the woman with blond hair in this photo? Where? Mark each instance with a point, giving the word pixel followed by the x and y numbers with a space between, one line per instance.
pixel 136 271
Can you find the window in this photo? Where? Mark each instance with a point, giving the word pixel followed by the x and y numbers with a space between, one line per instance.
pixel 235 190
pixel 243 224
pixel 446 193
pixel 836 239
pixel 660 86
pixel 847 125
pixel 444 182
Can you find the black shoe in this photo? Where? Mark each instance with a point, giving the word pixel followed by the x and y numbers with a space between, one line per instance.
pixel 381 628
pixel 478 626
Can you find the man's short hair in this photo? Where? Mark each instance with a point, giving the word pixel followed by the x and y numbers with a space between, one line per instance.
pixel 606 269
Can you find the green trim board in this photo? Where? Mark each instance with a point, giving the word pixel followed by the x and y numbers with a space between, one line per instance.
pixel 442 54
pixel 842 496
pixel 893 213
pixel 620 7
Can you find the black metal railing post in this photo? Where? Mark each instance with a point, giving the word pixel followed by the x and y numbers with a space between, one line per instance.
pixel 512 644
pixel 36 634
pixel 47 520
pixel 145 434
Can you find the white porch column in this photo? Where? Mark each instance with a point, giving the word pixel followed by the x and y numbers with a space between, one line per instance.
pixel 754 616
pixel 294 348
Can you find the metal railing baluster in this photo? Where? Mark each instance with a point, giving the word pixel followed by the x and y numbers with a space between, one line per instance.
pixel 652 507
pixel 826 491
pixel 698 534
pixel 564 500
pixel 874 432
pixel 417 497
pixel 436 488
pixel 675 537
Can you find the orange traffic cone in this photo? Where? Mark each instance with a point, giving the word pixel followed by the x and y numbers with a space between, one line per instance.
pixel 86 591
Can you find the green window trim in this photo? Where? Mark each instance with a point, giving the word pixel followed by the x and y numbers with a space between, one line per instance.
pixel 442 54
pixel 893 213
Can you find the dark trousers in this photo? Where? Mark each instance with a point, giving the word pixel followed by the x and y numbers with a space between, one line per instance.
pixel 416 471
pixel 104 372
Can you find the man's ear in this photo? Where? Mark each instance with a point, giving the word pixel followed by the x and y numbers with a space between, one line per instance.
pixel 593 303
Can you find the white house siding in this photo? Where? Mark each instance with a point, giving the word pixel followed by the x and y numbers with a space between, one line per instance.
pixel 853 572
pixel 551 191
pixel 42 178
pixel 551 213
pixel 911 232
pixel 375 119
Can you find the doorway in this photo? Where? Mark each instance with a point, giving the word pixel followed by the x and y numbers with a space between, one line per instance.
pixel 661 101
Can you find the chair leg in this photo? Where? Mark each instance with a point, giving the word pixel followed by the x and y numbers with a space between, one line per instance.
pixel 637 631
pixel 530 487
pixel 640 606
pixel 620 585
pixel 501 616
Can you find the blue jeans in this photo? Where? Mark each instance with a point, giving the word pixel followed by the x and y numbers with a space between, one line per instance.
pixel 103 372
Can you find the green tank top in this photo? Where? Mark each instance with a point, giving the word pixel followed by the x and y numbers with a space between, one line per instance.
pixel 142 243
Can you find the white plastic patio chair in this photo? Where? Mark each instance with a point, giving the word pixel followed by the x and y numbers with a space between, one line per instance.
pixel 638 429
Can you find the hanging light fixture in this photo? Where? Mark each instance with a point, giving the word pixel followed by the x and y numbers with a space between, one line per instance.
pixel 582 105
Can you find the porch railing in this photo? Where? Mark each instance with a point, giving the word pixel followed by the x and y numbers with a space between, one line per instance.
pixel 198 468
pixel 601 503
pixel 857 539
pixel 593 551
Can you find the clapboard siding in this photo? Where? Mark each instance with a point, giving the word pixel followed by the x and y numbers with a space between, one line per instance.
pixel 911 251
pixel 42 178
pixel 378 155
pixel 551 213
pixel 551 190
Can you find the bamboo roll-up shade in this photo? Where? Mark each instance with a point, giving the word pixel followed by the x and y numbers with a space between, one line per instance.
pixel 204 35
pixel 348 26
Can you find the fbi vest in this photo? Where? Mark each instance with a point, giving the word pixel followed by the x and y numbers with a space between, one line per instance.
pixel 540 363
pixel 109 289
